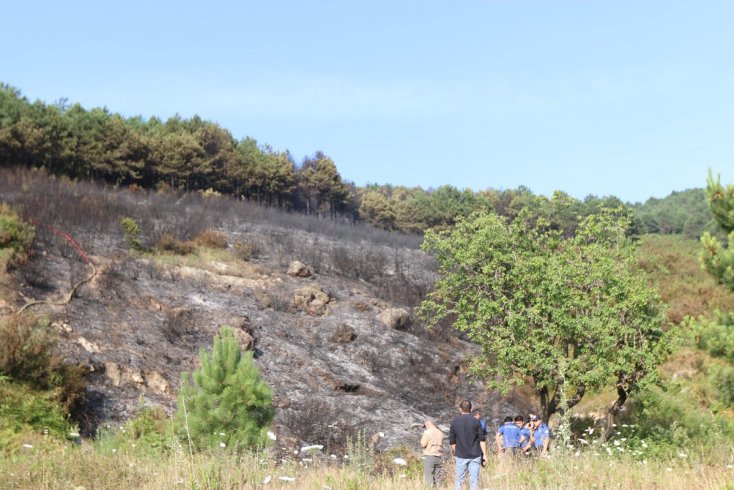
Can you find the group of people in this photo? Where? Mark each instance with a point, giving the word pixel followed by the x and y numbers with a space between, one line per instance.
pixel 468 441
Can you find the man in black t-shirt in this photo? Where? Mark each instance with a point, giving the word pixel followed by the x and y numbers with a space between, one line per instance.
pixel 468 447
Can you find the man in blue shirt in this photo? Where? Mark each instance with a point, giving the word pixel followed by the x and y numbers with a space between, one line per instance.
pixel 540 435
pixel 508 437
pixel 524 433
pixel 478 415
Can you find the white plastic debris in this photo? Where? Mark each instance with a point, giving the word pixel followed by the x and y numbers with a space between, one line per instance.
pixel 267 479
pixel 286 478
pixel 400 461
pixel 312 449
pixel 27 446
pixel 272 435
pixel 221 444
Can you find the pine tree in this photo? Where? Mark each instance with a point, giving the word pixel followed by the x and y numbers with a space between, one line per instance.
pixel 716 258
pixel 226 402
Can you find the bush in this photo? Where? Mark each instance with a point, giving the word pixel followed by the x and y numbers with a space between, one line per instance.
pixel 722 378
pixel 150 432
pixel 14 232
pixel 25 352
pixel 226 404
pixel 25 408
pixel 169 243
pixel 211 239
pixel 131 229
pixel 715 336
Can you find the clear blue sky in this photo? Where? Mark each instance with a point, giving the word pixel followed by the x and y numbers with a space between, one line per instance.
pixel 631 98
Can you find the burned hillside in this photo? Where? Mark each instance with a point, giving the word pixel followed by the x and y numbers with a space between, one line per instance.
pixel 336 338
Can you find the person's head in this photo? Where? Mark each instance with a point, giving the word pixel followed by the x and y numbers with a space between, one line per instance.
pixel 535 420
pixel 476 414
pixel 465 406
pixel 519 420
pixel 508 419
pixel 428 424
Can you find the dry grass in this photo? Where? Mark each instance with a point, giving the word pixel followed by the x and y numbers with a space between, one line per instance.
pixel 46 466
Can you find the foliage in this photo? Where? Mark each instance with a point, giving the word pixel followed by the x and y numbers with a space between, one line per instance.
pixel 26 349
pixel 716 258
pixel 149 432
pixel 715 336
pixel 681 213
pixel 671 265
pixel 569 314
pixel 131 228
pixel 25 408
pixel 225 401
pixel 16 236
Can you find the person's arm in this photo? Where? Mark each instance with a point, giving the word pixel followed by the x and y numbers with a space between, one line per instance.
pixel 425 439
pixel 498 440
pixel 483 445
pixel 546 443
pixel 452 439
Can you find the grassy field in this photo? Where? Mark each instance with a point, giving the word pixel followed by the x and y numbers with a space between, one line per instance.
pixel 46 465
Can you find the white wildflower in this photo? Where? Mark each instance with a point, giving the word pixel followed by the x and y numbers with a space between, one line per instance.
pixel 27 446
pixel 668 469
pixel 221 444
pixel 644 444
pixel 620 449
pixel 591 430
pixel 617 443
pixel 402 475
pixel 682 455
pixel 583 441
pixel 222 434
pixel 333 456
pixel 267 479
pixel 609 451
pixel 577 453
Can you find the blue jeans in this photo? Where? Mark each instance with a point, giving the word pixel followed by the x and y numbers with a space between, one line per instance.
pixel 473 465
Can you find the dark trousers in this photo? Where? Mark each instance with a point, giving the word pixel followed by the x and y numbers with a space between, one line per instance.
pixel 432 470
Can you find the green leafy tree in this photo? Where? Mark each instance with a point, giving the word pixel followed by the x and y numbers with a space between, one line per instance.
pixel 225 401
pixel 716 258
pixel 566 315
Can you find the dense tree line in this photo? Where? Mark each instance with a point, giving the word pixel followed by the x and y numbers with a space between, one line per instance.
pixel 198 155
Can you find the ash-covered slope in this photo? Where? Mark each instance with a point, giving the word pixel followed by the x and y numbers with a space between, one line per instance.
pixel 333 346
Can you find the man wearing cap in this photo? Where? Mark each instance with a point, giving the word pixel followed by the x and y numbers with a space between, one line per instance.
pixel 432 444
pixel 540 435
pixel 468 447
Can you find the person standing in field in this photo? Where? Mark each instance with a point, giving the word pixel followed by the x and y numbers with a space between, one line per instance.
pixel 432 444
pixel 468 447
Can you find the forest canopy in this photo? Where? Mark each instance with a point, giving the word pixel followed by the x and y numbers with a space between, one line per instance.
pixel 194 154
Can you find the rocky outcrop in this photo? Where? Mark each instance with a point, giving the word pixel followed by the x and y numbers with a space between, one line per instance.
pixel 395 318
pixel 298 269
pixel 312 298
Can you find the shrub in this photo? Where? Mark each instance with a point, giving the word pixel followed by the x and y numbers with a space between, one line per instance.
pixel 211 239
pixel 23 407
pixel 722 378
pixel 25 352
pixel 226 402
pixel 131 229
pixel 169 243
pixel 14 232
pixel 150 432
pixel 245 250
pixel 715 336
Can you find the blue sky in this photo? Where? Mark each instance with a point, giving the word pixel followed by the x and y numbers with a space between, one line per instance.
pixel 629 98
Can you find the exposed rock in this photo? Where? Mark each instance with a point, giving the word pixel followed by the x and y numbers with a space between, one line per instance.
pixel 312 298
pixel 246 341
pixel 344 334
pixel 298 269
pixel 87 345
pixel 395 318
